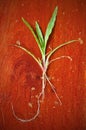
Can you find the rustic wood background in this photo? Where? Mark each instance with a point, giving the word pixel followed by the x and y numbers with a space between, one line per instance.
pixel 19 73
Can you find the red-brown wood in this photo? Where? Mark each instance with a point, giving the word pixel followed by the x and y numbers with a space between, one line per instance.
pixel 19 72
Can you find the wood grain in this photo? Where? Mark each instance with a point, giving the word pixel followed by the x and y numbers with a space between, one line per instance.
pixel 19 74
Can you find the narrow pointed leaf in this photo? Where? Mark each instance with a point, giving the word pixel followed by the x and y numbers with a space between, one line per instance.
pixel 50 25
pixel 30 28
pixel 39 33
pixel 32 31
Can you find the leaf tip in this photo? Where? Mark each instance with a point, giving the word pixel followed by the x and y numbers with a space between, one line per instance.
pixel 80 40
pixel 36 23
pixel 22 18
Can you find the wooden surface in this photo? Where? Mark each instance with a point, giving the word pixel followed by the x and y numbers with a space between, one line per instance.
pixel 19 73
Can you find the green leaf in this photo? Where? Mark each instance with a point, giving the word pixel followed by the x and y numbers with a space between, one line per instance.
pixel 39 33
pixel 50 25
pixel 32 31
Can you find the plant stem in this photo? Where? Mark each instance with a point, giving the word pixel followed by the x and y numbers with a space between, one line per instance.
pixel 43 85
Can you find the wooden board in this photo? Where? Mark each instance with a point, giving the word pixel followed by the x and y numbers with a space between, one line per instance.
pixel 20 76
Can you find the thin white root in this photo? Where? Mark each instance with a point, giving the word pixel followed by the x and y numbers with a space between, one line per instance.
pixel 53 88
pixel 31 119
pixel 44 78
pixel 38 101
pixel 58 58
pixel 43 86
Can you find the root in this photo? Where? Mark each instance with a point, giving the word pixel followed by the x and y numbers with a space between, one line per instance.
pixel 38 101
pixel 43 86
pixel 53 88
pixel 41 95
pixel 58 58
pixel 31 119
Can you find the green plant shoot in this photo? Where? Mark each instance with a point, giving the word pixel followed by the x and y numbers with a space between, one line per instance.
pixel 44 62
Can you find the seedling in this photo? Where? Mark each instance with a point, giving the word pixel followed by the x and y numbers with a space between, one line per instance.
pixel 45 61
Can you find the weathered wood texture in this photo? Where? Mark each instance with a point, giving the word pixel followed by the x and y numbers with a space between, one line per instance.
pixel 19 73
